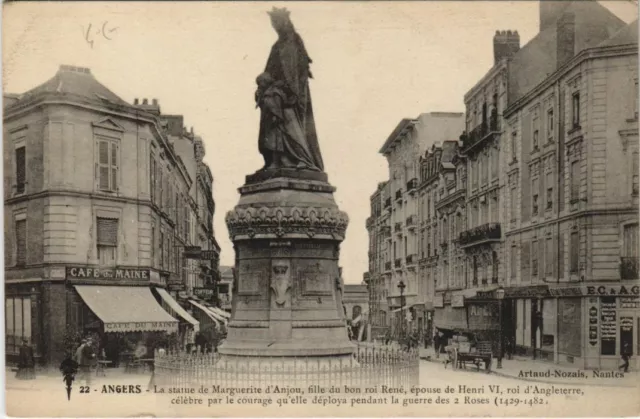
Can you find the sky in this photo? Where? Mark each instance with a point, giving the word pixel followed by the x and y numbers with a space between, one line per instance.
pixel 373 64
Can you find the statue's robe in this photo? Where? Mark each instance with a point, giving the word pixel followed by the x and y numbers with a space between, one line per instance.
pixel 289 63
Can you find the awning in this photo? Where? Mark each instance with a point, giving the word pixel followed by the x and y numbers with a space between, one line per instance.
pixel 221 312
pixel 172 306
pixel 207 313
pixel 127 309
pixel 404 308
pixel 215 314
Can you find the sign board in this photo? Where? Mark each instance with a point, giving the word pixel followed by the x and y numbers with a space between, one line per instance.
pixel 114 273
pixel 614 290
pixel 176 286
pixel 207 255
pixel 141 326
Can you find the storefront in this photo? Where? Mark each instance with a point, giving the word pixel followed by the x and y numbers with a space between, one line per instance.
pixel 449 311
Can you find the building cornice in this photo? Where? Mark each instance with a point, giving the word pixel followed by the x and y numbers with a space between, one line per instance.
pixel 490 75
pixel 582 56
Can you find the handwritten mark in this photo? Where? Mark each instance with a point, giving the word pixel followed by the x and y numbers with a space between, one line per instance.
pixel 105 31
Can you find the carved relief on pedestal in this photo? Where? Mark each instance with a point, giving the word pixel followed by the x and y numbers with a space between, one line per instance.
pixel 281 283
pixel 314 281
pixel 251 280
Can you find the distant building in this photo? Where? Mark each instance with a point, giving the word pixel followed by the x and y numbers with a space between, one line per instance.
pixel 356 300
pixel 97 202
pixel 225 287
pixel 409 140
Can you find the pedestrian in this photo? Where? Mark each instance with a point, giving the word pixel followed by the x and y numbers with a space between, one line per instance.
pixel 87 360
pixel 26 362
pixel 625 352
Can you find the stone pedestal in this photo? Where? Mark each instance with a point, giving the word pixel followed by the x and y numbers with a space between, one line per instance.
pixel 287 299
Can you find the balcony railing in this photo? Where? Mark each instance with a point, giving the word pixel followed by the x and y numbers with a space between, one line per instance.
pixel 411 259
pixel 412 221
pixel 481 132
pixel 412 185
pixel 387 266
pixel 386 231
pixel 480 234
pixel 387 203
pixel 398 194
pixel 398 263
pixel 398 228
pixel 629 267
pixel 369 222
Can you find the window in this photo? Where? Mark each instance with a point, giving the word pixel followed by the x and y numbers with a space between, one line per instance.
pixel 514 149
pixel 575 180
pixel 513 203
pixel 494 266
pixel 534 200
pixel 107 165
pixel 549 197
pixel 21 242
pixel 152 178
pixel 513 262
pixel 575 109
pixel 630 241
pixel 475 270
pixel 549 257
pixel 575 252
pixel 152 249
pixel 550 126
pixel 561 256
pixel 634 174
pixel 21 169
pixel 17 322
pixel 534 258
pixel 107 240
pixel 535 140
pixel 635 99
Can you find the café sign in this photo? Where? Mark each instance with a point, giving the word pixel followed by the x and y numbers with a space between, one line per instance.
pixel 106 273
pixel 204 293
pixel 141 327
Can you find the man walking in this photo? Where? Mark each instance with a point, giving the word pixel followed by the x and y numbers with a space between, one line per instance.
pixel 626 355
pixel 86 357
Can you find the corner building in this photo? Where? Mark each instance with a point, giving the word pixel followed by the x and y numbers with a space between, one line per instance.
pixel 95 198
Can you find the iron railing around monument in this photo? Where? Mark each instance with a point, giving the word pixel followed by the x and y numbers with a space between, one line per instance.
pixel 371 364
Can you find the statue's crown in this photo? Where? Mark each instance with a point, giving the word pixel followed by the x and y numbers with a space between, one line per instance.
pixel 279 13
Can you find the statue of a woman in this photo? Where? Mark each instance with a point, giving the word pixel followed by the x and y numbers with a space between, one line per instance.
pixel 287 136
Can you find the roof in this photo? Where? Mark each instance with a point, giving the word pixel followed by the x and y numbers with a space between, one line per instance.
pixel 402 128
pixel 76 81
pixel 537 59
pixel 626 35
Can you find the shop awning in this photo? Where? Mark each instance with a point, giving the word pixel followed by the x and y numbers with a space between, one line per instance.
pixel 221 312
pixel 127 309
pixel 173 306
pixel 405 307
pixel 217 315
pixel 206 312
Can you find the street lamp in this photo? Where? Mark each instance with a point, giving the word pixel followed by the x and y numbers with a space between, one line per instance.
pixel 500 298
pixel 401 287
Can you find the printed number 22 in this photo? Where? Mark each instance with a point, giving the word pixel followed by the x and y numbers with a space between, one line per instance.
pixel 84 389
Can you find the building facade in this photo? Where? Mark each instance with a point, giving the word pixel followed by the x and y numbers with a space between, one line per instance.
pixel 95 198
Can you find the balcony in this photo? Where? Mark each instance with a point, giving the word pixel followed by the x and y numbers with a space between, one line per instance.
pixel 485 233
pixel 398 263
pixel 480 133
pixel 412 185
pixel 387 203
pixel 412 222
pixel 629 267
pixel 387 266
pixel 399 195
pixel 411 260
pixel 398 228
pixel 370 221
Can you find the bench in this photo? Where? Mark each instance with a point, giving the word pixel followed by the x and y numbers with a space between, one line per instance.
pixel 482 355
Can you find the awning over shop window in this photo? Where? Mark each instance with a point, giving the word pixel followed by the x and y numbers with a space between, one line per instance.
pixel 208 314
pixel 217 315
pixel 221 312
pixel 127 309
pixel 172 306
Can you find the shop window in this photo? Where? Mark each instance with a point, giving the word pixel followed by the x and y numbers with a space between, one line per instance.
pixel 608 325
pixel 21 242
pixel 17 322
pixel 107 240
pixel 575 252
pixel 21 169
pixel 107 165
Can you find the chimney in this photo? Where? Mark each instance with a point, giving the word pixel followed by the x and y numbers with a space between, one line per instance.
pixel 136 101
pixel 505 44
pixel 155 102
pixel 550 11
pixel 145 101
pixel 565 38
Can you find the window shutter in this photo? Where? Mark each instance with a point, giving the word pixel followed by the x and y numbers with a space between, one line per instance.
pixel 20 169
pixel 114 166
pixel 107 232
pixel 21 242
pixel 103 165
